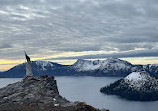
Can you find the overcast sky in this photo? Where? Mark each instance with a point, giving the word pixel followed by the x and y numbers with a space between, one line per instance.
pixel 66 30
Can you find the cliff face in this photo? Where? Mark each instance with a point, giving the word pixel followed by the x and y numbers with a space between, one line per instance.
pixel 34 91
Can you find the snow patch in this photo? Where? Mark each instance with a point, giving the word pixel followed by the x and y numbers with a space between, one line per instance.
pixel 56 104
pixel 43 64
pixel 54 99
pixel 138 80
pixel 135 76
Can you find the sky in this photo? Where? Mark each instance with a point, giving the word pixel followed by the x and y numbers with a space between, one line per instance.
pixel 65 30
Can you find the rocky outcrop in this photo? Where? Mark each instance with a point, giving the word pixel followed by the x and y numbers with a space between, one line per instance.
pixel 82 106
pixel 37 94
pixel 41 91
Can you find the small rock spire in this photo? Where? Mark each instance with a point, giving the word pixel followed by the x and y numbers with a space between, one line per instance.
pixel 28 66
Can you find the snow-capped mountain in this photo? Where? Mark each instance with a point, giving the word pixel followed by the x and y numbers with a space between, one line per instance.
pixel 38 67
pixel 113 67
pixel 42 65
pixel 110 63
pixel 108 67
pixel 136 86
pixel 86 65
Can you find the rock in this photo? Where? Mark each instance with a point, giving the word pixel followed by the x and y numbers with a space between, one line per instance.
pixel 105 110
pixel 82 106
pixel 41 91
pixel 37 94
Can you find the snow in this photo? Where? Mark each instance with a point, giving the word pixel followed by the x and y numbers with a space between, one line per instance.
pixel 5 97
pixel 43 64
pixel 138 80
pixel 56 104
pixel 135 76
pixel 110 63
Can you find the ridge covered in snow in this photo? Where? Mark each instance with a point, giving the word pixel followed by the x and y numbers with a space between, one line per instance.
pixel 110 63
pixel 44 64
pixel 41 64
pixel 112 67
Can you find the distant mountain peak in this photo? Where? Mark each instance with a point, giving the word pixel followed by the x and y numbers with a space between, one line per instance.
pixel 116 59
pixel 108 64
pixel 44 63
pixel 110 67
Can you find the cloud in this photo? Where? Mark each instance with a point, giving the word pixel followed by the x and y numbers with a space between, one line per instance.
pixel 5 46
pixel 48 27
pixel 139 53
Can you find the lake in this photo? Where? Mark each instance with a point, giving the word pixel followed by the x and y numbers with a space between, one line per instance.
pixel 87 89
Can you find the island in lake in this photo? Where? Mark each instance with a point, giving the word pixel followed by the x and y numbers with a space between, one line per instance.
pixel 139 86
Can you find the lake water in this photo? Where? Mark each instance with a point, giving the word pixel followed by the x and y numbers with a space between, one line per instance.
pixel 87 89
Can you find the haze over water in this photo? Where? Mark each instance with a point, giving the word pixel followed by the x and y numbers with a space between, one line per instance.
pixel 87 89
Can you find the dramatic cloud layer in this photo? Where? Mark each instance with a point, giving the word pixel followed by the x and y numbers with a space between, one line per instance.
pixel 93 28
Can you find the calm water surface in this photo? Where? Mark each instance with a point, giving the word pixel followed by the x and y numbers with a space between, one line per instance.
pixel 87 89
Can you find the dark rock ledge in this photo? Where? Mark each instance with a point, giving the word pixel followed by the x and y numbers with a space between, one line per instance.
pixel 37 94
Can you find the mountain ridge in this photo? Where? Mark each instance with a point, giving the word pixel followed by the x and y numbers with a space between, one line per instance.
pixel 112 67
